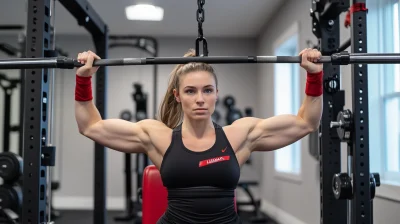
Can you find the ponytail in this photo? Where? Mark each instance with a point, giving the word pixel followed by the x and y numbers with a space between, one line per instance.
pixel 170 112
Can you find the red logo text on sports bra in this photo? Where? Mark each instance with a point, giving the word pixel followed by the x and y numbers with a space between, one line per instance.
pixel 213 160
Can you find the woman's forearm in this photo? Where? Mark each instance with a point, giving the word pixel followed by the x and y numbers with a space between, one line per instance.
pixel 86 113
pixel 311 109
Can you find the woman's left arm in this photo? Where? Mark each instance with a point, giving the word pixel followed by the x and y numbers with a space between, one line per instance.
pixel 282 130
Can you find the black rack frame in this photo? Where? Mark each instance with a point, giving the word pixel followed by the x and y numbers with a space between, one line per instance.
pixel 361 204
pixel 35 121
pixel 327 29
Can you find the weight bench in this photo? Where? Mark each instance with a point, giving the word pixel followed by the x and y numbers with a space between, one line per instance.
pixel 154 196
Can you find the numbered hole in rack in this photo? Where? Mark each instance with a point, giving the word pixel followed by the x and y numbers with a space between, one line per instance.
pixel 32 99
pixel 360 25
pixel 361 81
pixel 362 128
pixel 361 91
pixel 32 90
pixel 33 72
pixel 361 164
pixel 360 65
pixel 31 147
pixel 33 81
pixel 360 41
pixel 361 111
pixel 362 154
pixel 360 49
pixel 360 33
pixel 32 118
pixel 361 145
pixel 30 174
pixel 362 215
pixel 360 18
pixel 30 164
pixel 362 184
pixel 362 120
pixel 360 73
pixel 34 9
pixel 31 137
pixel 32 109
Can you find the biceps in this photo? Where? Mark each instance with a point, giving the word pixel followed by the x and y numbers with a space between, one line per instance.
pixel 118 134
pixel 278 132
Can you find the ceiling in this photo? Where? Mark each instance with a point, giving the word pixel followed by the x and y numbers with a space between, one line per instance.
pixel 223 18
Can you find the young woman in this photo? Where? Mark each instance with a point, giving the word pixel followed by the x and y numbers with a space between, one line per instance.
pixel 199 160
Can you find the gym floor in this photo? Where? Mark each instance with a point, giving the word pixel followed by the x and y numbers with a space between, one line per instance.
pixel 86 217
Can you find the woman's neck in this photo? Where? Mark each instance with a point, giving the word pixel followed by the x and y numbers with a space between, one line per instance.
pixel 198 128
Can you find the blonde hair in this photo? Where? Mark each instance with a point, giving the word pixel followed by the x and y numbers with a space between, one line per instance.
pixel 170 112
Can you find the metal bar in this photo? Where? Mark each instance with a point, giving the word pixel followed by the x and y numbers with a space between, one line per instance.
pixel 100 156
pixel 63 62
pixel 361 203
pixel 86 16
pixel 6 119
pixel 11 27
pixel 35 110
pixel 345 45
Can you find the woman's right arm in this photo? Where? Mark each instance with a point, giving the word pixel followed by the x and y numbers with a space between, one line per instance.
pixel 116 134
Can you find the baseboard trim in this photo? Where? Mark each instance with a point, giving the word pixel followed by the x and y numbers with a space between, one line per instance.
pixel 86 203
pixel 278 214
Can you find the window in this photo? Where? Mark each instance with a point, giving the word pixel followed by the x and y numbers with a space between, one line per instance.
pixel 287 101
pixel 384 94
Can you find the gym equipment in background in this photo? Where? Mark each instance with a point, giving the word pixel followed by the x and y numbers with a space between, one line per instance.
pixel 8 85
pixel 232 112
pixel 11 170
pixel 216 116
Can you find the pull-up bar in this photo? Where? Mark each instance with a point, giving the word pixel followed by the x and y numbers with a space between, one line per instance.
pixel 342 58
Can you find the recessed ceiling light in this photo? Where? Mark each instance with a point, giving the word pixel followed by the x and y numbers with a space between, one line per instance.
pixel 144 12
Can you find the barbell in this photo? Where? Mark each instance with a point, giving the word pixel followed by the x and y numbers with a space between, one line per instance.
pixel 342 58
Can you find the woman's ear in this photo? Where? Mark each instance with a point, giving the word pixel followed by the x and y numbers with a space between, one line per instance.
pixel 176 95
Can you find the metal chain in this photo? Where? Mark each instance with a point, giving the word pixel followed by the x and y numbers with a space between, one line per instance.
pixel 200 19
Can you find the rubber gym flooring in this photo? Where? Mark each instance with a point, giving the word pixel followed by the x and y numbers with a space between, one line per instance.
pixel 86 217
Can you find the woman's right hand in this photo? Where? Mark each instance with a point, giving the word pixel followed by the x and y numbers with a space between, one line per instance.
pixel 87 58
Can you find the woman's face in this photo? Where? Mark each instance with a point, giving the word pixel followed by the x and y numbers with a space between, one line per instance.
pixel 197 95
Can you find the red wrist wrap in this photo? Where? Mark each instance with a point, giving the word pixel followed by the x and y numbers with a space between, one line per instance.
pixel 314 84
pixel 83 88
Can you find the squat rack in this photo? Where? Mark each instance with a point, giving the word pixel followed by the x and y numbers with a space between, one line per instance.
pixel 357 186
pixel 37 154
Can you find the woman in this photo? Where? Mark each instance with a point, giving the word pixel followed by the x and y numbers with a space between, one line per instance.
pixel 199 160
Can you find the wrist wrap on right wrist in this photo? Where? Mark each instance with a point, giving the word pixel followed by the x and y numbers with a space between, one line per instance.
pixel 83 88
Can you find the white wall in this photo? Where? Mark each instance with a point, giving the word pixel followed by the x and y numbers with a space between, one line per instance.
pixel 74 167
pixel 291 201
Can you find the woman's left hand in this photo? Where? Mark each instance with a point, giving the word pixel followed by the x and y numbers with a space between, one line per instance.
pixel 309 58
